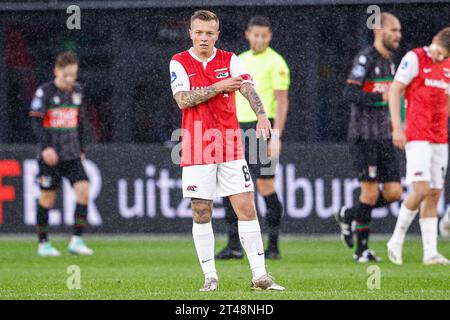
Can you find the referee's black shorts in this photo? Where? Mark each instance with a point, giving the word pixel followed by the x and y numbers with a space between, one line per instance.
pixel 376 160
pixel 261 166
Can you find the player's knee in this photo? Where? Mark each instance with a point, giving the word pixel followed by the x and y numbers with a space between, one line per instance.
pixel 247 211
pixel 82 191
pixel 421 191
pixel 434 194
pixel 201 212
pixel 47 199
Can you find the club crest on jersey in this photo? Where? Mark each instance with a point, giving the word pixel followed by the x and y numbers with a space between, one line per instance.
pixel 76 98
pixel 221 73
pixel 56 100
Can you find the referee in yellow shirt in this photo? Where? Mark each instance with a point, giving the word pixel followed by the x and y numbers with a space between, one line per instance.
pixel 271 78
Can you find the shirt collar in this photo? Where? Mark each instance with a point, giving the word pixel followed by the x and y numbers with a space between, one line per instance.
pixel 191 52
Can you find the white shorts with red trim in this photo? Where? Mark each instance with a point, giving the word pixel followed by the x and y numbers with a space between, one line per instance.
pixel 426 161
pixel 209 181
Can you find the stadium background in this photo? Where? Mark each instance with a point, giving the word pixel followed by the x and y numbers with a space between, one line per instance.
pixel 125 47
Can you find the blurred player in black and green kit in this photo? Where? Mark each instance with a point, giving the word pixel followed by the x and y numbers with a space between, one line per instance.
pixel 370 137
pixel 55 114
pixel 271 78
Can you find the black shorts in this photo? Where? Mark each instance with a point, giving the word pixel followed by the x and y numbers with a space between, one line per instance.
pixel 376 160
pixel 50 177
pixel 261 167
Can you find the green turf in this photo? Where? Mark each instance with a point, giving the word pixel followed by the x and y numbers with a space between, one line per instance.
pixel 168 269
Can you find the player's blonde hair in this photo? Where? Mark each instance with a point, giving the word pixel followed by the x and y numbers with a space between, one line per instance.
pixel 204 15
pixel 443 37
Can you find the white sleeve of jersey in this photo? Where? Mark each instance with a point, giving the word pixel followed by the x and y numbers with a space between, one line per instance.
pixel 408 69
pixel 237 68
pixel 179 79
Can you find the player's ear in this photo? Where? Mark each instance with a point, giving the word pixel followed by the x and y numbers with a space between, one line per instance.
pixel 55 73
pixel 434 39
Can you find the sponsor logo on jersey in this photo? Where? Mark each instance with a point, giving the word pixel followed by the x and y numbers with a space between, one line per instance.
pixel 197 87
pixel 376 86
pixel 61 118
pixel 427 70
pixel 440 84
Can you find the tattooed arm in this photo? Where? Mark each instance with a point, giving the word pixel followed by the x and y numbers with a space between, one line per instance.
pixel 249 92
pixel 263 127
pixel 188 99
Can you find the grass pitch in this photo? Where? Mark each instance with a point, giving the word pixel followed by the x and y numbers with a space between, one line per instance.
pixel 165 268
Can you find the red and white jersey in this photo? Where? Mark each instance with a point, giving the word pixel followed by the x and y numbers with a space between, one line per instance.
pixel 427 91
pixel 210 130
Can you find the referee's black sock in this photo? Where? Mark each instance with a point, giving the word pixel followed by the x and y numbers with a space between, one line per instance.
pixel 81 212
pixel 42 223
pixel 273 218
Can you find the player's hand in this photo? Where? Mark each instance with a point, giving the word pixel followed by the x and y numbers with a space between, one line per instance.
pixel 50 156
pixel 82 156
pixel 399 138
pixel 263 127
pixel 228 85
pixel 274 146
